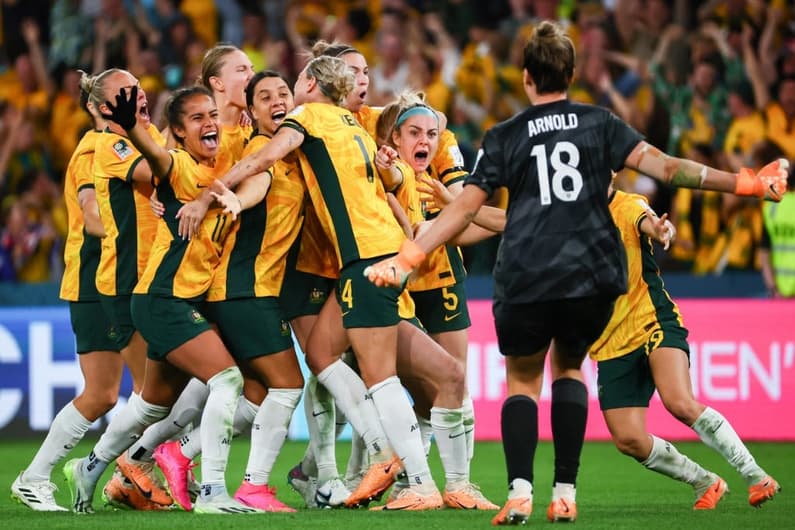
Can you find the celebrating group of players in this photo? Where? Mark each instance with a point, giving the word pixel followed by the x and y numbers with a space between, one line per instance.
pixel 211 243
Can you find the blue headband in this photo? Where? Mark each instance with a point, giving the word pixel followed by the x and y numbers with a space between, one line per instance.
pixel 415 111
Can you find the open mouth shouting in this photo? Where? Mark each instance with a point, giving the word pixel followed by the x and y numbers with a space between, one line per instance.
pixel 210 140
pixel 278 117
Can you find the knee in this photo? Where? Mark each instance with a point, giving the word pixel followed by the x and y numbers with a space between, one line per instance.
pixel 632 445
pixel 98 402
pixel 452 379
pixel 686 410
pixel 230 378
pixel 317 360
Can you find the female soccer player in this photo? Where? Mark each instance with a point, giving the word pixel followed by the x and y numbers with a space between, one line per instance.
pixel 225 71
pixel 643 348
pixel 560 266
pixel 412 129
pixel 164 306
pixel 243 302
pixel 337 165
pixel 441 280
pixel 98 354
pixel 122 181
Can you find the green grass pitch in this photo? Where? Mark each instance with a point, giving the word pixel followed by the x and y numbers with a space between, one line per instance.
pixel 614 493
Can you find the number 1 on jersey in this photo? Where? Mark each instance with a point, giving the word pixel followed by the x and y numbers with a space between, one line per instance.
pixel 562 170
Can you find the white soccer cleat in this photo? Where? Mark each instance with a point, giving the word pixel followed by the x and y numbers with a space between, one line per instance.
pixel 332 494
pixel 81 488
pixel 352 481
pixel 221 504
pixel 305 485
pixel 36 495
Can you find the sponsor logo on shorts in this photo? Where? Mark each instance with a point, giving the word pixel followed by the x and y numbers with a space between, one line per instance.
pixel 197 317
pixel 285 329
pixel 317 296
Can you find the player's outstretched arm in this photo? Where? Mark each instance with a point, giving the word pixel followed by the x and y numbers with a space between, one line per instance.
pixel 455 217
pixel 284 142
pixel 769 182
pixel 125 113
pixel 248 194
pixel 437 195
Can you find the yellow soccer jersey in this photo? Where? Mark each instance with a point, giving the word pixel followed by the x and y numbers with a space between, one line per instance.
pixel 445 265
pixel 368 117
pixel 407 194
pixel 81 250
pixel 234 139
pixel 781 129
pixel 129 222
pixel 316 254
pixel 179 267
pixel 409 198
pixel 255 252
pixel 448 164
pixel 744 133
pixel 337 163
pixel 636 313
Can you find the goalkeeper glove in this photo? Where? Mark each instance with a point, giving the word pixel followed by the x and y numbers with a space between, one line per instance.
pixel 769 183
pixel 394 271
pixel 125 110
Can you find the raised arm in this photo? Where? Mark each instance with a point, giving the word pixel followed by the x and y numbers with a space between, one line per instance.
pixel 767 48
pixel 125 113
pixel 30 32
pixel 754 69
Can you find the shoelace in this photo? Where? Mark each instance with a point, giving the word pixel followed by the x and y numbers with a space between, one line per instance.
pixel 44 488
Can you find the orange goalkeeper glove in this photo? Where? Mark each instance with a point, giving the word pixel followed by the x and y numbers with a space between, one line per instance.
pixel 394 271
pixel 769 183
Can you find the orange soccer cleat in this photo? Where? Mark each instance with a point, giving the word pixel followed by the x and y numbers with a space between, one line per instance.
pixel 562 510
pixel 142 474
pixel 468 498
pixel 515 511
pixel 122 493
pixel 409 499
pixel 375 482
pixel 708 500
pixel 763 491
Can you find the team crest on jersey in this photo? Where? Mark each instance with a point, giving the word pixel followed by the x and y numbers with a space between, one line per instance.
pixel 197 317
pixel 122 150
pixel 317 296
pixel 455 154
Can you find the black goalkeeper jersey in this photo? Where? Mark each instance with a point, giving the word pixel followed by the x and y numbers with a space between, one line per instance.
pixel 560 241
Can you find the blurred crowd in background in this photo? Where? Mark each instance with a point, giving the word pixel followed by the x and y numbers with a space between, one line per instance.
pixel 713 81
